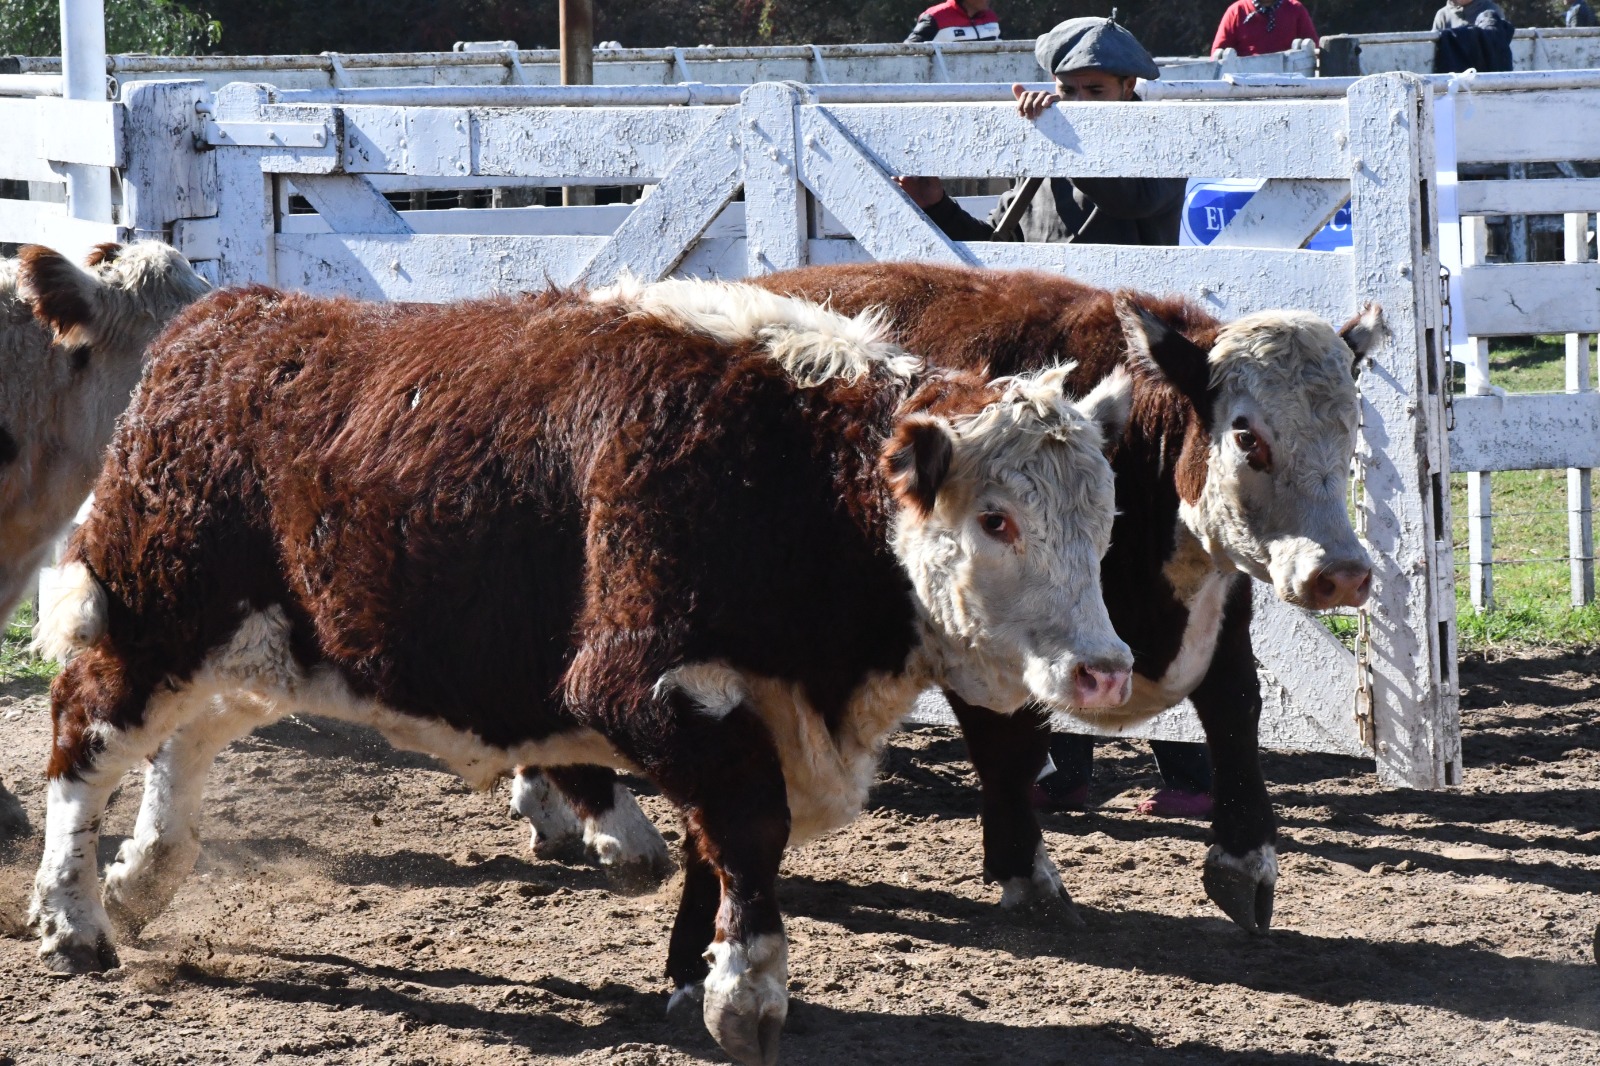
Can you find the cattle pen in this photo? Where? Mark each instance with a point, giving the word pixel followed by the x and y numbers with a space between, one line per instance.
pixel 421 946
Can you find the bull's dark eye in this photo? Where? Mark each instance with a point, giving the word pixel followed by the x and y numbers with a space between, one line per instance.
pixel 1246 439
pixel 998 525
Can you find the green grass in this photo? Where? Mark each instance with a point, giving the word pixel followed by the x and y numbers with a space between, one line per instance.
pixel 1531 584
pixel 15 662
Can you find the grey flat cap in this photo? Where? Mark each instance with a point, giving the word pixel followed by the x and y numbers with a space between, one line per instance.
pixel 1094 44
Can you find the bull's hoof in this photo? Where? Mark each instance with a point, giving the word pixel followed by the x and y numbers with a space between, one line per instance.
pixel 66 954
pixel 746 997
pixel 13 818
pixel 627 845
pixel 1244 886
pixel 1040 893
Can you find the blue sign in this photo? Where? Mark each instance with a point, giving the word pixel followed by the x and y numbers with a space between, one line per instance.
pixel 1209 205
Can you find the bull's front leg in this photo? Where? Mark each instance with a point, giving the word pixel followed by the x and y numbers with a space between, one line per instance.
pixel 1241 869
pixel 573 809
pixel 1009 751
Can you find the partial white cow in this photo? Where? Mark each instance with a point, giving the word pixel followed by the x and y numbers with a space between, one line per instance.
pixel 59 400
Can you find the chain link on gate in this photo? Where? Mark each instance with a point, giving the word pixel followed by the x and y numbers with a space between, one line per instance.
pixel 1447 323
pixel 1365 720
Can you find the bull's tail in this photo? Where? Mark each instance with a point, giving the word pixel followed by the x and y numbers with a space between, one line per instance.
pixel 72 613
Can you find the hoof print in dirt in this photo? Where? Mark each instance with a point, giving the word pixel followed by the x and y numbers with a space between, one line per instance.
pixel 1244 888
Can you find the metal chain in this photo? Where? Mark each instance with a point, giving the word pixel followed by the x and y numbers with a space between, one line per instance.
pixel 1365 721
pixel 1447 321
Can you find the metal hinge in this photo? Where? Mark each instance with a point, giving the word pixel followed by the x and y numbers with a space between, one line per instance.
pixel 266 134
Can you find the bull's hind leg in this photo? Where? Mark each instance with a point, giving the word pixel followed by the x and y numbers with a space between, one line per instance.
pixel 573 808
pixel 95 709
pixel 153 863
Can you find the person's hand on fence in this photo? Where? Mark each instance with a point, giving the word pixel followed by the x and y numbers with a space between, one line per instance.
pixel 1031 103
pixel 924 192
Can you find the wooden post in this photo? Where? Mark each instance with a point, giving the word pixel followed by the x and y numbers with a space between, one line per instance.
pixel 775 209
pixel 577 68
pixel 1580 512
pixel 1480 507
pixel 1403 450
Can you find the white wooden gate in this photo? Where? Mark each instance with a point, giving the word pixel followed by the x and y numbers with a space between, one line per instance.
pixel 797 154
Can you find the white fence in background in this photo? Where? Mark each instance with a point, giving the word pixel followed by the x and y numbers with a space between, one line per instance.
pixel 844 64
pixel 1555 48
pixel 1494 431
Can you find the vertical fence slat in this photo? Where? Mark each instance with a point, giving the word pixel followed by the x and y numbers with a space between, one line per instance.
pixel 1480 506
pixel 775 214
pixel 1580 507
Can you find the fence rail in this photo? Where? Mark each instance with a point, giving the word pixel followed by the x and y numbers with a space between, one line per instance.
pixel 1353 55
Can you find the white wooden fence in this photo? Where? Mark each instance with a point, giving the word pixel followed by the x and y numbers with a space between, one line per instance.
pixel 975 61
pixel 1554 48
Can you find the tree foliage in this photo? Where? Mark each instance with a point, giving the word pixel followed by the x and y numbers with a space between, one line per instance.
pixel 162 27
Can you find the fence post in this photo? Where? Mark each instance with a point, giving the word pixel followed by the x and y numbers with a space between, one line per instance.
pixel 167 177
pixel 1580 507
pixel 775 215
pixel 1480 503
pixel 1403 449
pixel 246 211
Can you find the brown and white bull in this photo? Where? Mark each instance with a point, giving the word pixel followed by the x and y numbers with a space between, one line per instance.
pixel 59 401
pixel 1234 464
pixel 714 536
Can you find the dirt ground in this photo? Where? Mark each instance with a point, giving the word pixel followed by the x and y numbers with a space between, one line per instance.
pixel 358 905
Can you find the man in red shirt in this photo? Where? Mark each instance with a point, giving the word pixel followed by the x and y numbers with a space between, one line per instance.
pixel 956 20
pixel 1254 27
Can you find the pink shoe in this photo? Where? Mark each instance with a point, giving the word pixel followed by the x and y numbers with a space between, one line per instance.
pixel 1177 803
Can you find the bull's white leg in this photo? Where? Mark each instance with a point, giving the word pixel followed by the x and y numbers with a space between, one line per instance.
pixel 747 997
pixel 74 932
pixel 624 837
pixel 152 864
pixel 556 828
pixel 1042 886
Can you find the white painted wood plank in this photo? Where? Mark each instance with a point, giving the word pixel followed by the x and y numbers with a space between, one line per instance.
pixel 1262 138
pixel 21 159
pixel 550 145
pixel 89 132
pixel 427 268
pixel 775 214
pixel 1518 299
pixel 1520 432
pixel 167 176
pixel 1284 214
pixel 349 204
pixel 881 217
pixel 1524 127
pixel 1549 196
pixel 658 232
pixel 35 222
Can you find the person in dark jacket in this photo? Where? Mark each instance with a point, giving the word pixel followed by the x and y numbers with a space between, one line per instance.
pixel 1473 35
pixel 956 20
pixel 1091 59
pixel 1581 14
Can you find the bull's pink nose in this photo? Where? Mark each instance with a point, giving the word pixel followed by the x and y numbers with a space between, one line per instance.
pixel 1095 686
pixel 1345 585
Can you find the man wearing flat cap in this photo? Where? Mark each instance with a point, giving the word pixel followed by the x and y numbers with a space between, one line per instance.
pixel 1092 59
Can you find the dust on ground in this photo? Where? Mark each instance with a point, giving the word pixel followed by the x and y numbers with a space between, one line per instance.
pixel 358 905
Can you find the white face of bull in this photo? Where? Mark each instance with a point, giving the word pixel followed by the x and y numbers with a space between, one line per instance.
pixel 1282 416
pixel 1004 517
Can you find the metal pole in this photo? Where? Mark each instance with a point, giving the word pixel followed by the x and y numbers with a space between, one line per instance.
pixel 577 68
pixel 83 75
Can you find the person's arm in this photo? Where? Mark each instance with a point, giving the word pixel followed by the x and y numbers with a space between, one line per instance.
pixel 924 31
pixel 1225 31
pixel 1441 21
pixel 960 226
pixel 1132 197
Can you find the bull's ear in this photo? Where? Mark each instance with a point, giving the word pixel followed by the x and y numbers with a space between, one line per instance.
pixel 1156 345
pixel 61 295
pixel 1109 404
pixel 1362 333
pixel 916 461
